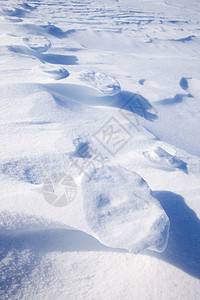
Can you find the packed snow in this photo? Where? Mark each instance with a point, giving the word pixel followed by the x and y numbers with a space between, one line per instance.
pixel 121 211
pixel 100 149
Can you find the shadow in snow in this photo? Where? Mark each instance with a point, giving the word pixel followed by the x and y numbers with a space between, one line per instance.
pixel 183 250
pixel 184 83
pixel 183 40
pixel 18 12
pixel 56 31
pixel 50 58
pixel 124 100
pixel 71 49
pixel 15 12
pixel 177 99
pixel 22 251
pixel 141 81
pixel 27 6
pixel 50 240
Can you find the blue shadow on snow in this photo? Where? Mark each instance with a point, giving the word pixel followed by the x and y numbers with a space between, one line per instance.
pixel 183 249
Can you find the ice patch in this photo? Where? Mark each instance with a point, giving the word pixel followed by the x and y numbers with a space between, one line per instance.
pixel 121 212
pixel 101 81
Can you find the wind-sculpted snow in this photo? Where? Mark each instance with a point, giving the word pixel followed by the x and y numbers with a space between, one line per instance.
pixel 103 94
pixel 121 212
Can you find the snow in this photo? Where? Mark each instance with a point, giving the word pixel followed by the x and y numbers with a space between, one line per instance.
pixel 121 212
pixel 99 152
pixel 54 72
pixel 101 81
pixel 37 43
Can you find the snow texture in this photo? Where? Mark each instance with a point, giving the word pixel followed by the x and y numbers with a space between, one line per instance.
pixel 106 93
pixel 122 213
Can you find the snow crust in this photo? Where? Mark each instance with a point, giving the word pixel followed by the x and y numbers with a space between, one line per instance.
pixel 106 93
pixel 122 213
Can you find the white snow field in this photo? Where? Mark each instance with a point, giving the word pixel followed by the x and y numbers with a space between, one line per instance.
pixel 100 149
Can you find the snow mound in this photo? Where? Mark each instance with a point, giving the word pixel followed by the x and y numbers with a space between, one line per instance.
pixel 37 43
pixel 101 81
pixel 121 212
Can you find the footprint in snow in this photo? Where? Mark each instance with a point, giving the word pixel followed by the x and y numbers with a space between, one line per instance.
pixel 121 212
pixel 52 71
pixel 101 81
pixel 37 43
pixel 165 160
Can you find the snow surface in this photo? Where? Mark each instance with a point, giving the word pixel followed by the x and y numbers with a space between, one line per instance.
pixel 121 211
pixel 106 92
